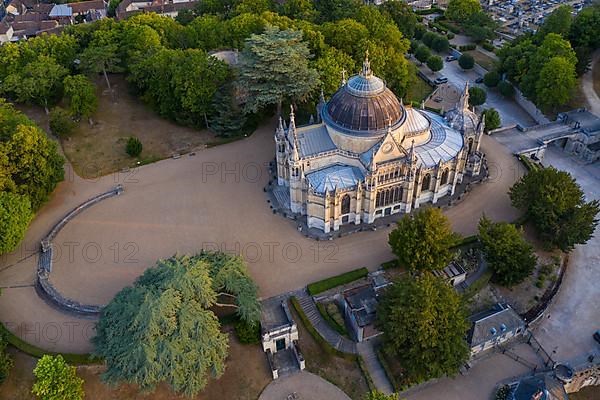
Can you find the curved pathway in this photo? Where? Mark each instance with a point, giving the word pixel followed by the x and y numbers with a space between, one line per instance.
pixel 303 386
pixel 212 200
pixel 587 85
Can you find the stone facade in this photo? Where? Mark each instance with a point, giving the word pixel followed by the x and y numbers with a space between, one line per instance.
pixel 370 156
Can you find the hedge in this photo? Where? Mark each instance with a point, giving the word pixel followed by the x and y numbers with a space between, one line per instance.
pixel 37 352
pixel 363 368
pixel 467 47
pixel 432 10
pixel 339 329
pixel 318 338
pixel 488 46
pixel 329 283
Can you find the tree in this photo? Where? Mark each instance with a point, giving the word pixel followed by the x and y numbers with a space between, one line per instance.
pixel 61 122
pixel 480 26
pixel 556 83
pixel 376 395
pixel 508 254
pixel 559 22
pixel 56 380
pixel 556 205
pixel 477 96
pixel 101 55
pixel 299 9
pixel 435 63
pixel 440 44
pixel 466 61
pixel 81 95
pixel 424 326
pixel 585 27
pixel 461 10
pixel 346 35
pixel 15 216
pixel 428 38
pixel 185 17
pixel 506 89
pixel 423 241
pixel 38 82
pixel 334 10
pixel 274 67
pixel 162 328
pixel 422 54
pixel 403 16
pixel 330 65
pixel 491 79
pixel 252 7
pixel 492 119
pixel 6 362
pixel 133 147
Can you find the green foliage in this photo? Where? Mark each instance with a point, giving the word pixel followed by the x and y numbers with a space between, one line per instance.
pixel 61 122
pixel 423 241
pixel 81 95
pixel 559 22
pixel 331 314
pixel 462 10
pixel 403 15
pixel 424 325
pixel 334 281
pixel 477 96
pixel 492 119
pixel 133 146
pixel 508 254
pixel 330 65
pixel 440 44
pixel 506 89
pixel 435 63
pixel 376 395
pixel 502 393
pixel 422 54
pixel 56 380
pixel 247 333
pixel 480 26
pixel 585 27
pixel 557 81
pixel 15 216
pixel 467 47
pixel 491 79
pixel 334 10
pixel 144 331
pixel 227 120
pixel 466 61
pixel 274 67
pixel 556 205
pixel 6 362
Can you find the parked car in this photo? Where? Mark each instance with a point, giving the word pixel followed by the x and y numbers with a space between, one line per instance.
pixel 440 80
pixel 479 80
pixel 597 336
pixel 450 58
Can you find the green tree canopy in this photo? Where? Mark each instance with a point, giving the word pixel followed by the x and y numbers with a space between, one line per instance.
pixel 466 61
pixel 556 205
pixel 559 22
pixel 15 216
pixel 422 53
pixel 163 329
pixel 380 395
pixel 61 122
pixel 330 66
pixel 480 26
pixel 274 67
pixel 506 89
pixel 403 15
pixel 81 95
pixel 461 10
pixel 477 96
pixel 557 81
pixel 423 241
pixel 508 254
pixel 585 27
pixel 56 380
pixel 435 63
pixel 491 79
pixel 492 119
pixel 424 326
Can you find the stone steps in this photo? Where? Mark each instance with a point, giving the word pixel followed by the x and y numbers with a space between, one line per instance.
pixel 376 371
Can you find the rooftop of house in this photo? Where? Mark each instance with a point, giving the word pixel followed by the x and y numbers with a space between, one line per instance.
pixel 363 303
pixel 453 270
pixel 492 323
pixel 275 315
pixel 85 6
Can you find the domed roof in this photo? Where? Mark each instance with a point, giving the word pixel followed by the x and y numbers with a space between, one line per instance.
pixel 461 117
pixel 415 122
pixel 364 105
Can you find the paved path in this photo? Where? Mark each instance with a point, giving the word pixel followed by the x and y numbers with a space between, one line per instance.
pixel 302 386
pixel 318 322
pixel 376 371
pixel 587 83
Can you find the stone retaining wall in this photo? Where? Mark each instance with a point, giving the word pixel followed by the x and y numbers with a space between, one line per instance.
pixel 43 286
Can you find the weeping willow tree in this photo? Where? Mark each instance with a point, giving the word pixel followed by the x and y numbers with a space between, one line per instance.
pixel 162 328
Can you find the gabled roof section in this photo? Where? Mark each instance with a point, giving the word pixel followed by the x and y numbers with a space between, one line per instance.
pixel 313 140
pixel 338 176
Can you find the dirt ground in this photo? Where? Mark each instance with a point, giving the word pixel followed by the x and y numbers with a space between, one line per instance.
pixel 99 149
pixel 342 373
pixel 246 375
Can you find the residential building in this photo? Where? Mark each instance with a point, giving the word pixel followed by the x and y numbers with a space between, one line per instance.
pixel 494 327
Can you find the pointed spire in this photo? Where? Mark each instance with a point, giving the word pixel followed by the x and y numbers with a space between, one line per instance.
pixel 322 96
pixel 422 104
pixel 343 77
pixel 292 118
pixel 463 102
pixel 402 101
pixel 280 131
pixel 366 69
pixel 412 154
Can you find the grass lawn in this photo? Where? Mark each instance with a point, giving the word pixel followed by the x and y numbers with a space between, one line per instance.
pixel 343 373
pixel 245 377
pixel 482 59
pixel 419 90
pixel 100 149
pixel 596 73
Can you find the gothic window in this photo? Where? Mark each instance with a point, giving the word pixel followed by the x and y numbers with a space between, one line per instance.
pixel 470 145
pixel 426 183
pixel 281 148
pixel 345 204
pixel 388 196
pixel 445 176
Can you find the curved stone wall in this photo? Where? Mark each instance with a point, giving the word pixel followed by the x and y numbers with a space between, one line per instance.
pixel 43 286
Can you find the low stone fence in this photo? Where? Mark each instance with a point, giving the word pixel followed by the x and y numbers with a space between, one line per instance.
pixel 43 286
pixel 531 109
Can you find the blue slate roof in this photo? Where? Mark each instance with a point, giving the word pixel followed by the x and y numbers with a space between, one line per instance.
pixel 314 139
pixel 445 143
pixel 337 176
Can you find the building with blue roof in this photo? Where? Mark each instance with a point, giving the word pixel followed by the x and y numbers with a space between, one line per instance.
pixel 370 156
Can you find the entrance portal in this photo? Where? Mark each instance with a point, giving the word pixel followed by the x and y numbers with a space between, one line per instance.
pixel 280 344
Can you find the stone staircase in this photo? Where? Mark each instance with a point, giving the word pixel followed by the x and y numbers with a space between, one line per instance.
pixel 328 333
pixel 378 375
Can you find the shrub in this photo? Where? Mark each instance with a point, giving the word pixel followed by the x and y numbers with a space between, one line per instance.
pixel 450 35
pixel 468 47
pixel 435 63
pixel 477 96
pixel 428 38
pixel 6 362
pixel 329 283
pixel 502 393
pixel 440 44
pixel 506 89
pixel 466 61
pixel 488 46
pixel 134 146
pixel 422 54
pixel 492 119
pixel 246 333
pixel 61 122
pixel 56 380
pixel 491 79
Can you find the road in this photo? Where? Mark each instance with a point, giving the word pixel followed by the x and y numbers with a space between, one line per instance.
pixel 510 112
